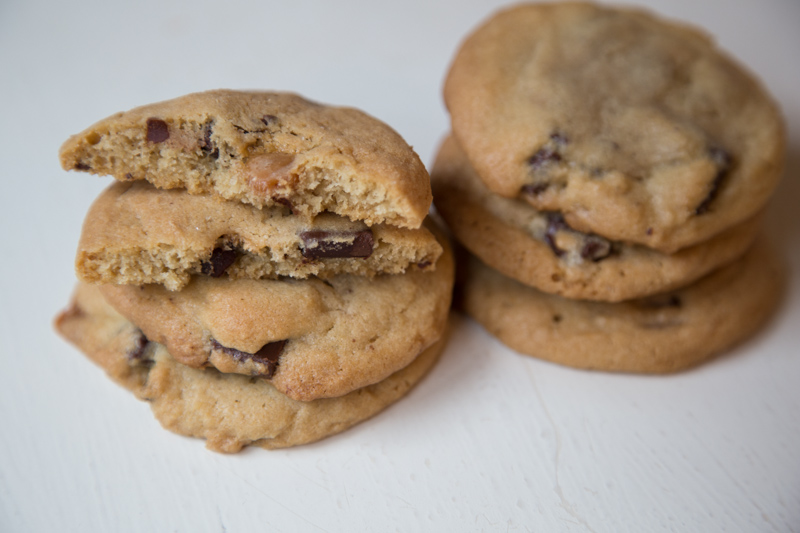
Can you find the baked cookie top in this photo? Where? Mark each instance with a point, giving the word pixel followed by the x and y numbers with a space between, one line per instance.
pixel 230 411
pixel 540 249
pixel 312 338
pixel 632 127
pixel 137 234
pixel 662 333
pixel 262 148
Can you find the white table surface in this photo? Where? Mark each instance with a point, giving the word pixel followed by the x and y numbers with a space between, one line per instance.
pixel 491 440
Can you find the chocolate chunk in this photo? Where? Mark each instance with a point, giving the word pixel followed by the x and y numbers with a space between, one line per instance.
pixel 269 119
pixel 723 160
pixel 535 189
pixel 595 248
pixel 128 176
pixel 546 154
pixel 82 166
pixel 555 223
pixel 422 265
pixel 219 262
pixel 136 353
pixel 157 130
pixel 320 244
pixel 268 355
pixel 549 152
pixel 285 202
pixel 206 144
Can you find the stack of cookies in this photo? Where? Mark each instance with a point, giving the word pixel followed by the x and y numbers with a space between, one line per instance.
pixel 263 271
pixel 608 171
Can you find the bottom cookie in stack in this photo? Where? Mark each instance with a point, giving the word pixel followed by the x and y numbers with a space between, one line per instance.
pixel 657 334
pixel 230 411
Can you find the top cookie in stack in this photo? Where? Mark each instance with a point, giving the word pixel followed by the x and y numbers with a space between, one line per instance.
pixel 631 127
pixel 263 149
pixel 604 154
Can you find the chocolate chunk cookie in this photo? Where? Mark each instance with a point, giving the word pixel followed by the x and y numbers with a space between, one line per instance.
pixel 540 249
pixel 312 338
pixel 230 411
pixel 137 234
pixel 631 127
pixel 264 149
pixel 658 334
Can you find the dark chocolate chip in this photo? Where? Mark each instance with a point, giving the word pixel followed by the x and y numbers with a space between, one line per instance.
pixel 546 154
pixel 723 160
pixel 136 353
pixel 268 355
pixel 269 119
pixel 555 223
pixel 285 202
pixel 423 265
pixel 559 138
pixel 206 144
pixel 82 166
pixel 535 189
pixel 219 262
pixel 320 244
pixel 157 130
pixel 595 248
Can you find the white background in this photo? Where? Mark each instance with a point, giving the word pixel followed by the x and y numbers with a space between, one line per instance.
pixel 491 440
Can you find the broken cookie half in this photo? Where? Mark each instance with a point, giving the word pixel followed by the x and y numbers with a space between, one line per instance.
pixel 263 149
pixel 135 234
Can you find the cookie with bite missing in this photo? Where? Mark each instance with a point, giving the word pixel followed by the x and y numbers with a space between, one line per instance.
pixel 541 250
pixel 137 234
pixel 311 338
pixel 230 411
pixel 632 127
pixel 658 334
pixel 264 149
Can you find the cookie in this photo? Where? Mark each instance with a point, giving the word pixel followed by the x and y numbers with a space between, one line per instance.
pixel 262 148
pixel 137 234
pixel 230 411
pixel 541 250
pixel 312 338
pixel 631 127
pixel 659 334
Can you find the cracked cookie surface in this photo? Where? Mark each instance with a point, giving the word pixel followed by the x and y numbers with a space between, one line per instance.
pixel 312 338
pixel 632 127
pixel 541 250
pixel 265 149
pixel 230 411
pixel 137 234
pixel 662 333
